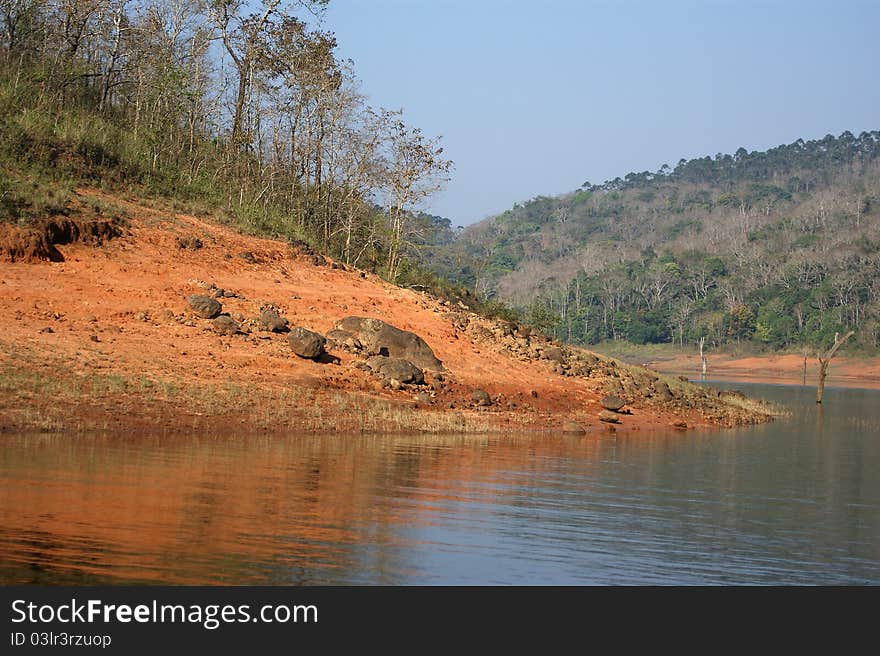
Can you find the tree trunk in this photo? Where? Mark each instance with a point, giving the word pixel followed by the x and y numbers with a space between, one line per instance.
pixel 238 117
pixel 703 360
pixel 824 361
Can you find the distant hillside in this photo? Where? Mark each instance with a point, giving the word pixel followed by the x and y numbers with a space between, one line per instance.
pixel 781 248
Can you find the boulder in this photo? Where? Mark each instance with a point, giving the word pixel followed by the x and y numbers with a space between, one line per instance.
pixel 225 325
pixel 572 428
pixel 481 397
pixel 554 353
pixel 380 338
pixel 609 417
pixel 305 343
pixel 396 369
pixel 613 403
pixel 273 322
pixel 204 306
pixel 662 391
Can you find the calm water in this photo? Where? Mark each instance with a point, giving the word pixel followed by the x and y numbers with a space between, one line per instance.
pixel 797 501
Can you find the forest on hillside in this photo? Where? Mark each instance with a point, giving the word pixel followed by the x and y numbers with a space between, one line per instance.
pixel 774 249
pixel 239 108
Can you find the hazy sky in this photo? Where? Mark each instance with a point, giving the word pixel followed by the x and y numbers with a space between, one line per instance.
pixel 537 97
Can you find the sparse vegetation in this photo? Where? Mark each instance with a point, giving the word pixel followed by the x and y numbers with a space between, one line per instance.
pixel 267 129
pixel 47 395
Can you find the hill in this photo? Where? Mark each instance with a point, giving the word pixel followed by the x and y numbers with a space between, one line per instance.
pixel 775 249
pixel 100 335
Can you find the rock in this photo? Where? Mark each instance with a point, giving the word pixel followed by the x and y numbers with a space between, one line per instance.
pixel 481 397
pixel 458 319
pixel 662 391
pixel 400 370
pixel 554 353
pixel 391 369
pixel 273 322
pixel 506 328
pixel 380 338
pixel 47 330
pixel 248 257
pixel 344 340
pixel 613 403
pixel 192 243
pixel 609 417
pixel 680 424
pixel 572 428
pixel 225 325
pixel 94 338
pixel 305 343
pixel 219 293
pixel 373 363
pixel 204 306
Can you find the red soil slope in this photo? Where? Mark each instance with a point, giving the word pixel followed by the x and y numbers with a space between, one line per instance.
pixel 119 310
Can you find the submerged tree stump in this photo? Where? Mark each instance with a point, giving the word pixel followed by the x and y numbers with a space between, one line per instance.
pixel 823 362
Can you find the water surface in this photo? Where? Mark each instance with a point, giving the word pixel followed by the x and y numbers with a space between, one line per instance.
pixel 796 501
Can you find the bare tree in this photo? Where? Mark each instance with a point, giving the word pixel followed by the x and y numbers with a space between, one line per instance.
pixel 824 362
pixel 414 170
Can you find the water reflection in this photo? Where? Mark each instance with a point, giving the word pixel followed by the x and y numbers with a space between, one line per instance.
pixel 797 501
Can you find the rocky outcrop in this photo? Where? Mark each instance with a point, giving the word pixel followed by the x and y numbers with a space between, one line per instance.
pixel 379 338
pixel 37 241
pixel 305 343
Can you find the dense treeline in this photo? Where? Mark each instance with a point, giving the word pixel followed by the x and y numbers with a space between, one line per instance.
pixel 239 105
pixel 776 249
pixel 820 158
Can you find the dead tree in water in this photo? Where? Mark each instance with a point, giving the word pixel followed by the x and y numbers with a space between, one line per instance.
pixel 703 357
pixel 823 362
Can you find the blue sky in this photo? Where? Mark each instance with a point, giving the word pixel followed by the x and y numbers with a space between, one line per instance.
pixel 537 97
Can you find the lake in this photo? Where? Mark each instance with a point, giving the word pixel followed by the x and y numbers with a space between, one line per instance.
pixel 793 502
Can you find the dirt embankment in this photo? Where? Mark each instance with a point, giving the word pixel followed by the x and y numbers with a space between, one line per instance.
pixel 103 338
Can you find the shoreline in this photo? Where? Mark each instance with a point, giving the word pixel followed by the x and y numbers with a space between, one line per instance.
pixel 783 369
